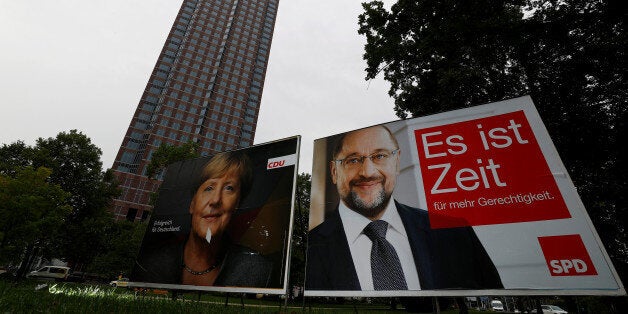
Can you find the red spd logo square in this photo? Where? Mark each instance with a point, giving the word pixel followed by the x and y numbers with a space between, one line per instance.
pixel 566 255
pixel 486 171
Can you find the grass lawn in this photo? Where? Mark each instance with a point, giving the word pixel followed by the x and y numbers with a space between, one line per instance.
pixel 33 296
pixel 80 298
pixel 50 297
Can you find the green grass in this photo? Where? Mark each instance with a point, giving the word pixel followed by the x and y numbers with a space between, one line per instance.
pixel 84 298
pixel 93 299
pixel 74 298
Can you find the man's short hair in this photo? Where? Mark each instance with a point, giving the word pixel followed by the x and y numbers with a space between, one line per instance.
pixel 341 138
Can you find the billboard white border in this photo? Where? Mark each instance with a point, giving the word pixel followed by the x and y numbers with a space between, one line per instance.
pixel 287 250
pixel 559 172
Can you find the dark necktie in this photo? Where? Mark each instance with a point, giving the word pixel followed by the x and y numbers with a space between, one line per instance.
pixel 385 265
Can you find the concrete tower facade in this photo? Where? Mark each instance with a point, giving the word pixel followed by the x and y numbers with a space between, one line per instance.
pixel 206 87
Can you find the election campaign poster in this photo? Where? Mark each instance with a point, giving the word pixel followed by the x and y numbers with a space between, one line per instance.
pixel 469 202
pixel 223 223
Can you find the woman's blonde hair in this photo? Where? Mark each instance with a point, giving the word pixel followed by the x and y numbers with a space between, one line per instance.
pixel 227 162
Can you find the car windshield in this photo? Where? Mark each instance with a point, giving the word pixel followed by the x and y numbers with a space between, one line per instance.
pixel 553 307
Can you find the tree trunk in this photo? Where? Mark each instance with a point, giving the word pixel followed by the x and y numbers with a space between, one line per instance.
pixel 26 262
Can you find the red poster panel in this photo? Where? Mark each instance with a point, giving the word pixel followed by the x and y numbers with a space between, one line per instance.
pixel 566 255
pixel 486 171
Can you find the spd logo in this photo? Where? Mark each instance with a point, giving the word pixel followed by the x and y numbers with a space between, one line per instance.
pixel 566 255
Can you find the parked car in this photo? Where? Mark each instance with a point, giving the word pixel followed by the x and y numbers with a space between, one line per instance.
pixel 552 309
pixel 497 306
pixel 122 282
pixel 7 272
pixel 59 273
pixel 76 276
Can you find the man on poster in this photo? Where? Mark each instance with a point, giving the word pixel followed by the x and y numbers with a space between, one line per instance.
pixel 372 242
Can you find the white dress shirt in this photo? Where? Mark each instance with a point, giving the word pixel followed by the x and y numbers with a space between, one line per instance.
pixel 360 245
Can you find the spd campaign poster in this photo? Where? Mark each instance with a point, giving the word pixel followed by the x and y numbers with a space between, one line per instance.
pixel 475 202
pixel 223 223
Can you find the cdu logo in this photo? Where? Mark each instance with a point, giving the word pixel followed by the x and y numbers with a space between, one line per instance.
pixel 566 255
pixel 280 162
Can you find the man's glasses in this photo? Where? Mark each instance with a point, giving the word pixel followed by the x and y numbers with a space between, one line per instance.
pixel 378 159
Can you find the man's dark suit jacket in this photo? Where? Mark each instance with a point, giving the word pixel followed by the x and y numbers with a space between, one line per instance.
pixel 451 258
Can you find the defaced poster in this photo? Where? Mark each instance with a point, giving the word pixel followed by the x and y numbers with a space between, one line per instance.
pixel 223 223
pixel 469 202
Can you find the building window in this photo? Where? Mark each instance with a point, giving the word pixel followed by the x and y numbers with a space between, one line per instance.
pixel 132 145
pixel 136 135
pixel 145 214
pixel 148 106
pixel 127 157
pixel 130 214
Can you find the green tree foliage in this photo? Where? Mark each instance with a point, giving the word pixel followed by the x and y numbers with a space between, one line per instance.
pixel 441 55
pixel 299 230
pixel 122 245
pixel 574 58
pixel 33 211
pixel 14 157
pixel 569 56
pixel 75 167
pixel 167 154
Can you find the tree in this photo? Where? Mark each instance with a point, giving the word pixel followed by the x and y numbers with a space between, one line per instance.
pixel 574 57
pixel 300 229
pixel 77 169
pixel 442 55
pixel 14 157
pixel 167 154
pixel 569 56
pixel 118 256
pixel 33 211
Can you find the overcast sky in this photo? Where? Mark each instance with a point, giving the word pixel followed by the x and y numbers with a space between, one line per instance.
pixel 83 64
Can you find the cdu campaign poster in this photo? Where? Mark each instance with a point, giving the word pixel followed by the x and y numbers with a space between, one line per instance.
pixel 223 223
pixel 469 202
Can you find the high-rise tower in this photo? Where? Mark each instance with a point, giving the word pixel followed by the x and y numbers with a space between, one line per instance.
pixel 206 87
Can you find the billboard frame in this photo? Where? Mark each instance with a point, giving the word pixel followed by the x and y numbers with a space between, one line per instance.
pixel 467 114
pixel 286 252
